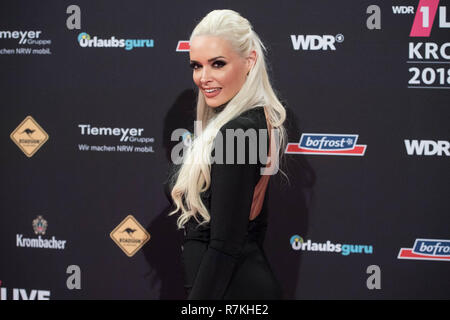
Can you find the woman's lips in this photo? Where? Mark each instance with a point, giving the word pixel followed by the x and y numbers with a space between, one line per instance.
pixel 213 92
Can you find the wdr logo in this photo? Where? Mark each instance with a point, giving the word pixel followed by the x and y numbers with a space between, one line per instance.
pixel 402 9
pixel 315 42
pixel 427 249
pixel 327 144
pixel 427 147
pixel 424 18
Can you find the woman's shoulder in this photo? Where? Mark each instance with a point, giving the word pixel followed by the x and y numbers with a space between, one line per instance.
pixel 253 118
pixel 243 132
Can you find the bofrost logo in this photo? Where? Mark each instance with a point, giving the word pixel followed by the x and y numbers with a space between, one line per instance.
pixel 327 144
pixel 316 42
pixel 427 147
pixel 427 249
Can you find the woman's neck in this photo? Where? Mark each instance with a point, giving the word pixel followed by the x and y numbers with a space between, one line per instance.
pixel 219 108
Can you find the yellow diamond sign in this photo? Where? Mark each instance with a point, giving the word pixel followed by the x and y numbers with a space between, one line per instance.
pixel 130 236
pixel 29 136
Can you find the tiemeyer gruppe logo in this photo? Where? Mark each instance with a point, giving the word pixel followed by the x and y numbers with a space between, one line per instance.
pixel 298 243
pixel 126 139
pixel 429 57
pixel 30 42
pixel 327 144
pixel 85 40
pixel 427 249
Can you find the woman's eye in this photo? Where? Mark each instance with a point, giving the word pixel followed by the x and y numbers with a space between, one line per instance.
pixel 216 64
pixel 219 63
pixel 194 65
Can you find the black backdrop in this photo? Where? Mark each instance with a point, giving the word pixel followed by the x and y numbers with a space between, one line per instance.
pixel 384 198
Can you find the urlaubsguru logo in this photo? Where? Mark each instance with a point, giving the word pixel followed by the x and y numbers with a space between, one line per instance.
pixel 85 40
pixel 297 243
pixel 327 144
pixel 427 249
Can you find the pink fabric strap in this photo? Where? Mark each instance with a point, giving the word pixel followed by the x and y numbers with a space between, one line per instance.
pixel 260 189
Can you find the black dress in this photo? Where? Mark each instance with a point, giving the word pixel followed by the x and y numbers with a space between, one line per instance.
pixel 225 258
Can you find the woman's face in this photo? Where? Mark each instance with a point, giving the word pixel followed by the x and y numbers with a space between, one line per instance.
pixel 218 71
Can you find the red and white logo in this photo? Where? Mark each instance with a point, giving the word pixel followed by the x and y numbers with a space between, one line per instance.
pixel 183 45
pixel 425 16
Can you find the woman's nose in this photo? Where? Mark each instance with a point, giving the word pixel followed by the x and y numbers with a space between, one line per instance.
pixel 205 76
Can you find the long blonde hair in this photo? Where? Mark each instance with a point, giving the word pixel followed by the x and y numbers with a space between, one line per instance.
pixel 194 175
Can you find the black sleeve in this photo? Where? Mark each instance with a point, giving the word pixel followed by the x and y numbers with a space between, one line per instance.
pixel 232 187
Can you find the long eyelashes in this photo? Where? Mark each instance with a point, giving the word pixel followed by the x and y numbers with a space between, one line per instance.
pixel 217 64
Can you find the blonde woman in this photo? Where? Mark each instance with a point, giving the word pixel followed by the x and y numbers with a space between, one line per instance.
pixel 220 198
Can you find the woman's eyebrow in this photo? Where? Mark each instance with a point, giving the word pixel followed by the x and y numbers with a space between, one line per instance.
pixel 212 59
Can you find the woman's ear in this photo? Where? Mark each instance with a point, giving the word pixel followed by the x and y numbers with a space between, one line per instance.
pixel 251 60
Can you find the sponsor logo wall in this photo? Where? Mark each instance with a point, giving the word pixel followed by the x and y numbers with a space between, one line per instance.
pixel 90 115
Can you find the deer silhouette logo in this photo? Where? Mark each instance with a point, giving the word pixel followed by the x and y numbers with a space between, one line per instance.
pixel 28 131
pixel 129 231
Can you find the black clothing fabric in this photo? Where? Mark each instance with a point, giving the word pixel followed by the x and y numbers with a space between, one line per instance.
pixel 225 258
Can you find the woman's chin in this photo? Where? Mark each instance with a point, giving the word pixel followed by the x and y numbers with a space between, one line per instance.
pixel 214 104
pixel 217 107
